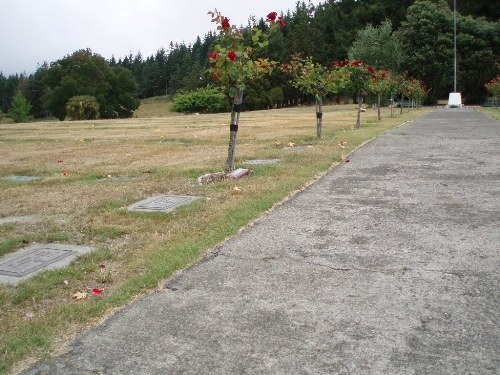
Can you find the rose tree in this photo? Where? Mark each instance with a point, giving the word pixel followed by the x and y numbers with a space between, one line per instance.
pixel 382 83
pixel 493 88
pixel 233 63
pixel 357 81
pixel 312 79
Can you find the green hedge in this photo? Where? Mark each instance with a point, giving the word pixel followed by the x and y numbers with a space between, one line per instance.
pixel 203 100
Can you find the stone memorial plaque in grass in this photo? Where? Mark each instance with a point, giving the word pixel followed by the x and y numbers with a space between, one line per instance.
pixel 262 161
pixel 20 178
pixel 36 258
pixel 17 219
pixel 297 148
pixel 162 203
pixel 123 178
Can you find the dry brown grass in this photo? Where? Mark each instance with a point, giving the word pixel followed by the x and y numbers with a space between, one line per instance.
pixel 139 250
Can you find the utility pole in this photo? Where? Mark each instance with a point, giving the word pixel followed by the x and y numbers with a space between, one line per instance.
pixel 455 98
pixel 455 45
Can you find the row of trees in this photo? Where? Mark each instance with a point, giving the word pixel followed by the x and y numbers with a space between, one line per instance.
pixel 237 61
pixel 412 36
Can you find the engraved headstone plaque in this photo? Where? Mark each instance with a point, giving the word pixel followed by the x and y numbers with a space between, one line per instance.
pixel 20 178
pixel 123 178
pixel 162 203
pixel 297 148
pixel 262 161
pixel 33 259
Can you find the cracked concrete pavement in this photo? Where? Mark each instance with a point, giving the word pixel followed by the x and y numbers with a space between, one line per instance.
pixel 386 265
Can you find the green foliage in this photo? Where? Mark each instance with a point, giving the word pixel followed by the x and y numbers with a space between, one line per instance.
pixel 378 46
pixel 234 62
pixel 478 46
pixel 427 37
pixel 493 87
pixel 85 73
pixel 83 107
pixel 20 108
pixel 203 100
pixel 312 78
pixel 325 32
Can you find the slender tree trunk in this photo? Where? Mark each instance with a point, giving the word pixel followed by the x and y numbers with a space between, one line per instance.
pixel 392 105
pixel 401 104
pixel 233 130
pixel 319 116
pixel 360 101
pixel 378 109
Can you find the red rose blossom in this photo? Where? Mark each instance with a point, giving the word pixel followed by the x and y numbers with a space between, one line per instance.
pixel 272 16
pixel 383 73
pixel 231 55
pixel 282 23
pixel 213 55
pixel 225 23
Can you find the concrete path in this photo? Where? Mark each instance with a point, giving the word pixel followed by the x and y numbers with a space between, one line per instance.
pixel 387 265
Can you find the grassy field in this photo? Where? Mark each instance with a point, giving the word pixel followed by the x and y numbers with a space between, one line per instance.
pixel 76 202
pixel 493 112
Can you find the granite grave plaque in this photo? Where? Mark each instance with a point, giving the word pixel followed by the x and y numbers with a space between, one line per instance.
pixel 162 203
pixel 20 178
pixel 33 259
pixel 262 161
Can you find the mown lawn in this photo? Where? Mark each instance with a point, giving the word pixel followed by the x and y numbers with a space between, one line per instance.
pixel 77 202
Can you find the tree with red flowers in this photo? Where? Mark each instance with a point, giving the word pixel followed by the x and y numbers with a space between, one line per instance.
pixel 233 64
pixel 493 87
pixel 356 81
pixel 383 83
pixel 416 90
pixel 312 79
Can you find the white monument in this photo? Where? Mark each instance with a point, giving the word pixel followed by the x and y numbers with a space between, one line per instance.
pixel 455 99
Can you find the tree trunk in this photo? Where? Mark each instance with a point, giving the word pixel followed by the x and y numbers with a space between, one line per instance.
pixel 401 104
pixel 392 105
pixel 360 101
pixel 233 130
pixel 319 116
pixel 378 109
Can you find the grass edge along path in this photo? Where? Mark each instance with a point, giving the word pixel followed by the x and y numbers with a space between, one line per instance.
pixel 40 337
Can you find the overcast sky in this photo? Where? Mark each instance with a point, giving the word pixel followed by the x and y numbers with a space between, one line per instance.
pixel 34 31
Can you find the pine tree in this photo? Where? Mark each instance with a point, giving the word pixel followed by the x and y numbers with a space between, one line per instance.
pixel 20 108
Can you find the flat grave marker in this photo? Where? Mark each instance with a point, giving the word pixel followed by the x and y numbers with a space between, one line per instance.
pixel 123 178
pixel 297 148
pixel 33 259
pixel 162 203
pixel 262 161
pixel 20 178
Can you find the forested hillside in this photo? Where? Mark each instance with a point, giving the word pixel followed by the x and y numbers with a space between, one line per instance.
pixel 424 29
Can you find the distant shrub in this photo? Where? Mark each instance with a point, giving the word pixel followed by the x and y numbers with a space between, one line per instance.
pixel 20 108
pixel 203 100
pixel 82 107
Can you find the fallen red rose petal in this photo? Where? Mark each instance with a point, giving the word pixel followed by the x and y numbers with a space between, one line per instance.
pixel 59 161
pixel 347 161
pixel 96 291
pixel 65 173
